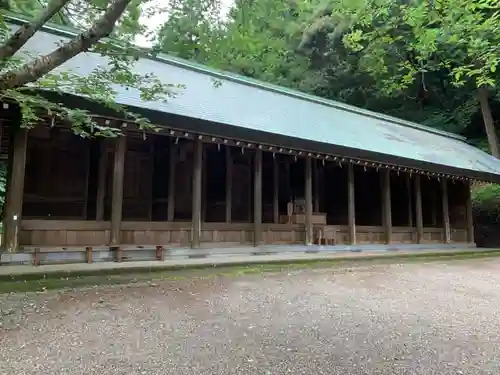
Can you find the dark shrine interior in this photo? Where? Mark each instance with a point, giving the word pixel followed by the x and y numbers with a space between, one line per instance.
pixel 62 182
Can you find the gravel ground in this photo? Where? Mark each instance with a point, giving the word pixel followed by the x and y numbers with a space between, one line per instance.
pixel 436 318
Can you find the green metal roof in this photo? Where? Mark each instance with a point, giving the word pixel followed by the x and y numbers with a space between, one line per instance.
pixel 224 104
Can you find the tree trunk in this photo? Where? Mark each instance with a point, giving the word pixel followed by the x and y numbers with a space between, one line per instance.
pixel 489 126
pixel 26 31
pixel 32 71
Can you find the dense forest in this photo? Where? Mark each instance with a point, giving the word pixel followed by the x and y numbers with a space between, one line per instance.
pixel 429 61
pixel 432 62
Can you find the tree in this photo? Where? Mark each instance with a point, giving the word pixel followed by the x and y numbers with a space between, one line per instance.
pixel 304 45
pixel 258 39
pixel 107 27
pixel 31 8
pixel 419 43
pixel 192 29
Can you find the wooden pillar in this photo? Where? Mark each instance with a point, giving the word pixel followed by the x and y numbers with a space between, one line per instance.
pixel 386 204
pixel 197 191
pixel 309 203
pixel 410 200
pixel 204 182
pixel 101 180
pixel 316 186
pixel 446 214
pixel 15 191
pixel 172 164
pixel 433 208
pixel 469 213
pixel 351 208
pixel 151 163
pixel 250 165
pixel 87 178
pixel 257 199
pixel 288 181
pixel 418 209
pixel 276 187
pixel 117 194
pixel 229 184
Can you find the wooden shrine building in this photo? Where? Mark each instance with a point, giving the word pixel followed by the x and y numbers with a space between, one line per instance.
pixel 236 162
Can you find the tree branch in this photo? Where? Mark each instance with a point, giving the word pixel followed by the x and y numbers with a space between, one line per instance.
pixel 32 71
pixel 26 31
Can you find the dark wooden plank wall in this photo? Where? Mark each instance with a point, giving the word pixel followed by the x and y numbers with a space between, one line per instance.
pixel 56 175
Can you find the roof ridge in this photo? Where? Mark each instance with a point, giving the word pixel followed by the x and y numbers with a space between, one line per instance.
pixel 187 64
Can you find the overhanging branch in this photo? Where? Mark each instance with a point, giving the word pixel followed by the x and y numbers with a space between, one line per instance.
pixel 32 71
pixel 26 31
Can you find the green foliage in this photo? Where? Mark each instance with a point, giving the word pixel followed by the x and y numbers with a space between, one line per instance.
pixel 192 29
pixel 3 182
pixel 457 38
pixel 3 188
pixel 32 8
pixel 20 82
pixel 486 201
pixel 426 59
pixel 409 59
pixel 487 194
pixel 257 39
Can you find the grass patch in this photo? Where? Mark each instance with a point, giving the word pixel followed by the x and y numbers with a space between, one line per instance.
pixel 74 279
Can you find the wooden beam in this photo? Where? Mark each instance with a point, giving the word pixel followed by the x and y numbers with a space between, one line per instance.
pixel 229 184
pixel 322 190
pixel 102 179
pixel 15 191
pixel 276 188
pixel 172 163
pixel 469 213
pixel 197 191
pixel 315 185
pixel 204 182
pixel 433 200
pixel 257 199
pixel 446 213
pixel 386 204
pixel 418 209
pixel 151 162
pixel 250 190
pixel 351 208
pixel 117 194
pixel 309 201
pixel 410 200
pixel 85 208
pixel 288 181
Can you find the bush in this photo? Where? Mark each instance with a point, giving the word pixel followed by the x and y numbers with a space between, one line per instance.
pixel 3 183
pixel 486 203
pixel 486 200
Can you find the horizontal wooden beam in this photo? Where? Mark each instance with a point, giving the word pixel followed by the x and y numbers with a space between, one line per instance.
pixel 133 128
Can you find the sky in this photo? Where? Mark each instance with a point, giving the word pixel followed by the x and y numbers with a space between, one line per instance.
pixel 158 19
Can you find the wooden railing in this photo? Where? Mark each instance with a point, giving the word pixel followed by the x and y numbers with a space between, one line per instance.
pixel 96 233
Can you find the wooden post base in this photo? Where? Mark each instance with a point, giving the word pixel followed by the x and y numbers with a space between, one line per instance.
pixel 36 259
pixel 117 253
pixel 88 254
pixel 160 255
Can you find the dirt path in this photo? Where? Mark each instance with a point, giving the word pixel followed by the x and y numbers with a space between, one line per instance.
pixel 434 318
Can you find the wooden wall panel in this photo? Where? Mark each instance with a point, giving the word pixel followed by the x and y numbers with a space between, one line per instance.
pixel 283 234
pixel 56 175
pixel 433 235
pixel 84 233
pixel 370 234
pixel 406 235
pixel 459 235
pixel 63 233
